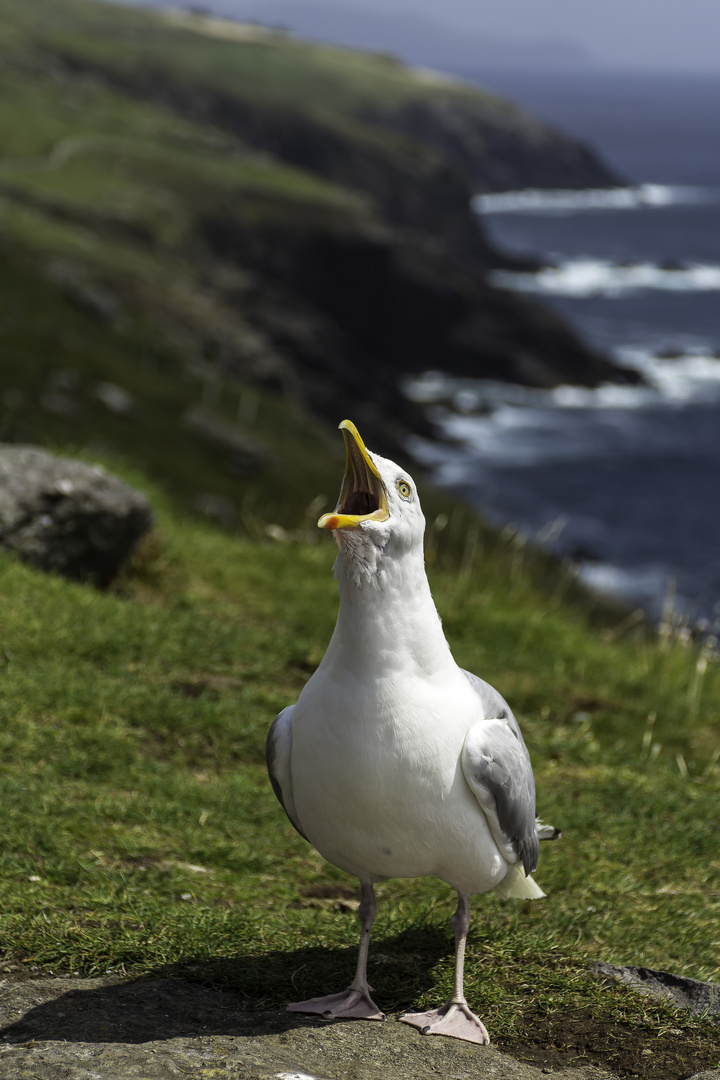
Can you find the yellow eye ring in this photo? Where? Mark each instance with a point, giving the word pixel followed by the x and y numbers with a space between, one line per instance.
pixel 404 489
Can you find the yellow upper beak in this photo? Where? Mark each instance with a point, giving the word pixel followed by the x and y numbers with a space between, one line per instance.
pixel 362 496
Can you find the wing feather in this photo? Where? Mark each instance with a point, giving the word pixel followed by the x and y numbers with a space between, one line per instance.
pixel 278 749
pixel 496 766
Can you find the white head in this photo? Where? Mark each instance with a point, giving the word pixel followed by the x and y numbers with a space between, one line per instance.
pixel 378 514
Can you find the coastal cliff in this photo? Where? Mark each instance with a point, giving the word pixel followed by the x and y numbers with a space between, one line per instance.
pixel 263 212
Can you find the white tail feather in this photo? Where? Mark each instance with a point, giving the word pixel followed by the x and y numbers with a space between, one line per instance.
pixel 517 886
pixel 546 832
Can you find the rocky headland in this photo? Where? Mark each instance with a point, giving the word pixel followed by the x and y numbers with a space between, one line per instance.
pixel 270 212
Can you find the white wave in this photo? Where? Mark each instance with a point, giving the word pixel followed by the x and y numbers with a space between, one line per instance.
pixel 559 201
pixel 607 396
pixel 490 424
pixel 598 277
pixel 518 437
pixel 487 405
pixel 677 380
pixel 693 376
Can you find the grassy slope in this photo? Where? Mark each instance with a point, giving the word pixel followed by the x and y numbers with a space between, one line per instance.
pixel 262 66
pixel 106 279
pixel 155 59
pixel 86 352
pixel 140 830
pixel 151 346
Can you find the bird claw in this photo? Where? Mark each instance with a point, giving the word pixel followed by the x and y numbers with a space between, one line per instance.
pixel 454 1019
pixel 351 1003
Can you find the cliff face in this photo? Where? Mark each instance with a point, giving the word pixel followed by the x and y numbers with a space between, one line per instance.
pixel 496 145
pixel 357 311
pixel 419 144
pixel 291 216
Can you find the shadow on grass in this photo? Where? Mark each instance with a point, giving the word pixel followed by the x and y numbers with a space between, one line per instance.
pixel 240 996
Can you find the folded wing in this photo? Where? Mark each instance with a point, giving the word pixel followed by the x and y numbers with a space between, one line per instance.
pixel 496 766
pixel 278 750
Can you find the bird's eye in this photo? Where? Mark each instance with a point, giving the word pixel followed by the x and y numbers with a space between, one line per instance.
pixel 404 489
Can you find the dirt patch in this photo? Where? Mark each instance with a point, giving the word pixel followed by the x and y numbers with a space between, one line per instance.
pixel 625 1050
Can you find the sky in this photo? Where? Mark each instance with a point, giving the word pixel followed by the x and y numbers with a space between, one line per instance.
pixel 641 35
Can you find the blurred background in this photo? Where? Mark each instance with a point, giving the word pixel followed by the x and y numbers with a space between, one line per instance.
pixel 503 262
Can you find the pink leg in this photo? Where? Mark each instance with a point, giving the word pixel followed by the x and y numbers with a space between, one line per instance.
pixel 455 1017
pixel 356 1000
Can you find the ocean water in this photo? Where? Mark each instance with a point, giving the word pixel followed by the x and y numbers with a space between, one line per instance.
pixel 624 480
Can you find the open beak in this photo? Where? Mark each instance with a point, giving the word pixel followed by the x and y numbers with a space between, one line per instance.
pixel 362 496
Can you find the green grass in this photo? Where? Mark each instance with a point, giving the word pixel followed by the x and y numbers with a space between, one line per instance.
pixel 105 65
pixel 146 183
pixel 140 831
pixel 271 68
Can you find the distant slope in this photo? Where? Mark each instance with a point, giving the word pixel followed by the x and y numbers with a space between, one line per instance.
pixel 239 233
pixel 499 145
pixel 429 40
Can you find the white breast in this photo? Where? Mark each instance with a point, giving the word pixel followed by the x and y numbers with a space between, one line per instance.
pixel 377 782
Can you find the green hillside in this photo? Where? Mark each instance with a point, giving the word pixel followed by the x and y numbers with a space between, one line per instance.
pixel 141 832
pixel 106 281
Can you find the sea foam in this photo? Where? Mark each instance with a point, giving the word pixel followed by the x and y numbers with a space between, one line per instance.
pixel 691 376
pixel 598 277
pixel 560 201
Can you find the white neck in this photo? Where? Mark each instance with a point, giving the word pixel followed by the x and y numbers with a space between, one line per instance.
pixel 387 618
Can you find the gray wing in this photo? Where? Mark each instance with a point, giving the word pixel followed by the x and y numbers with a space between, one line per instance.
pixel 496 766
pixel 277 757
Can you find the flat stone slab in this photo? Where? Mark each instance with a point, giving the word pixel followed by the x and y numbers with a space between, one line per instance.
pixel 160 1028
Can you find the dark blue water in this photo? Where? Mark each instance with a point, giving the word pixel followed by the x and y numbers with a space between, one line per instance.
pixel 627 483
pixel 662 129
pixel 667 238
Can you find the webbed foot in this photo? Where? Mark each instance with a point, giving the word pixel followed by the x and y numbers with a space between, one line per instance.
pixel 454 1019
pixel 351 1003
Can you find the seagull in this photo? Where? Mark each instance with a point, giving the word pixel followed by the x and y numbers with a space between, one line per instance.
pixel 394 761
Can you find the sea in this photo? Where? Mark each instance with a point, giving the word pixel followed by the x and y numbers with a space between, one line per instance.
pixel 623 480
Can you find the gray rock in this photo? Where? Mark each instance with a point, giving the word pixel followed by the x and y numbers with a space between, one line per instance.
pixel 701 998
pixel 158 1028
pixel 68 517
